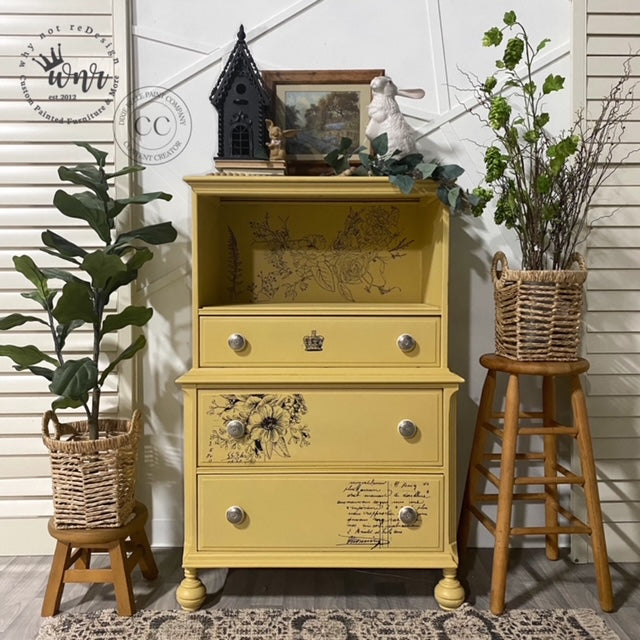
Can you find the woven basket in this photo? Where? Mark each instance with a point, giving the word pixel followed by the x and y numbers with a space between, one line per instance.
pixel 538 313
pixel 93 480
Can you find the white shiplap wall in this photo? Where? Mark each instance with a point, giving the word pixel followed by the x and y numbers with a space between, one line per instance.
pixel 31 148
pixel 605 34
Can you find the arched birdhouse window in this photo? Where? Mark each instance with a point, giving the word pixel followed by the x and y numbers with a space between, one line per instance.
pixel 240 140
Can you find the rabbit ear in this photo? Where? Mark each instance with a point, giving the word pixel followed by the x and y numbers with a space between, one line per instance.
pixel 411 93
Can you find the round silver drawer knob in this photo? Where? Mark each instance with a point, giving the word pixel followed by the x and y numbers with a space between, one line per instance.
pixel 407 428
pixel 408 515
pixel 235 515
pixel 235 428
pixel 237 342
pixel 406 342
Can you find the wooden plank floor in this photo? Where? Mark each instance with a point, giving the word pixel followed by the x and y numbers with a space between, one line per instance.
pixel 533 582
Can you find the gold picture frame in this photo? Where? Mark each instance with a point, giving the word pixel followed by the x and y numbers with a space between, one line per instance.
pixel 322 106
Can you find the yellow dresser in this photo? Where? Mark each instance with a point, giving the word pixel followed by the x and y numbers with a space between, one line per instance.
pixel 319 412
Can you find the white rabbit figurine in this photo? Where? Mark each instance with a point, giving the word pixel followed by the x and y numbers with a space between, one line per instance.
pixel 386 117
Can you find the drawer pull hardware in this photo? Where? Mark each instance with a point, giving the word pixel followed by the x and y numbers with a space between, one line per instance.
pixel 407 428
pixel 406 342
pixel 237 342
pixel 408 515
pixel 313 342
pixel 235 515
pixel 235 428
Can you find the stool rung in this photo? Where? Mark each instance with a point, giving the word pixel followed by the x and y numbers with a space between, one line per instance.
pixel 491 477
pixel 493 497
pixel 537 531
pixel 549 480
pixel 548 431
pixel 88 575
pixel 572 518
pixel 494 457
pixel 524 415
pixel 484 519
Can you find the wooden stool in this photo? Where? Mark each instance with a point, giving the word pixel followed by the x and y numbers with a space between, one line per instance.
pixel 554 473
pixel 118 541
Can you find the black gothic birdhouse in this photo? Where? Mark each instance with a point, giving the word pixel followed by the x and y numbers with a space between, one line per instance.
pixel 243 104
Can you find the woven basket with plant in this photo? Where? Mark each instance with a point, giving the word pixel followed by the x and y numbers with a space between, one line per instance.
pixel 543 184
pixel 93 462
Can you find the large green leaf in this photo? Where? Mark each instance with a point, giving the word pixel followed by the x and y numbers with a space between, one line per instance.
pixel 69 403
pixel 86 176
pixel 102 267
pixel 17 319
pixel 403 182
pixel 62 247
pixel 129 352
pixel 161 233
pixel 52 273
pixel 142 198
pixel 99 155
pixel 129 316
pixel 25 356
pixel 380 144
pixel 41 371
pixel 74 379
pixel 74 207
pixel 125 171
pixel 75 303
pixel 27 267
pixel 63 330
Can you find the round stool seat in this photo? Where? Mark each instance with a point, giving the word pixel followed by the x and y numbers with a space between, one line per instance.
pixel 495 362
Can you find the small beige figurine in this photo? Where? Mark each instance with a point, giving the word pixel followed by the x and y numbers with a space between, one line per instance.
pixel 276 140
pixel 386 117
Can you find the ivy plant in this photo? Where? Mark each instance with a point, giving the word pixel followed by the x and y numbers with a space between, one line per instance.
pixel 80 295
pixel 402 170
pixel 542 182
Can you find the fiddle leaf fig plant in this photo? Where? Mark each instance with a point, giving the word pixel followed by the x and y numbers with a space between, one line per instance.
pixel 402 170
pixel 80 295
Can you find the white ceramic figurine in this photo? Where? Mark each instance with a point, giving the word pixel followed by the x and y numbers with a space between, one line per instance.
pixel 386 117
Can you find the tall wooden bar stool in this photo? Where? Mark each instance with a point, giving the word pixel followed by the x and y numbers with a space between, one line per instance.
pixel 128 546
pixel 511 487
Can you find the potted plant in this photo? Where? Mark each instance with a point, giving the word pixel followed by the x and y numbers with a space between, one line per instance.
pixel 543 184
pixel 94 469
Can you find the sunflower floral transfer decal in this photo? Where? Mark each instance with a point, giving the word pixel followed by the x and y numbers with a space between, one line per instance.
pixel 273 425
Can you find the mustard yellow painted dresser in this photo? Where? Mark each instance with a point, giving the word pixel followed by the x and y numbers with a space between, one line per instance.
pixel 319 412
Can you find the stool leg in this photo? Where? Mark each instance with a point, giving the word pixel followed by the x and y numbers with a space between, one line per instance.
pixel 485 409
pixel 505 498
pixel 147 561
pixel 55 585
pixel 121 579
pixel 594 512
pixel 550 465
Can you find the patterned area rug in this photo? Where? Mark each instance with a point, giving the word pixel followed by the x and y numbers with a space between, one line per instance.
pixel 466 623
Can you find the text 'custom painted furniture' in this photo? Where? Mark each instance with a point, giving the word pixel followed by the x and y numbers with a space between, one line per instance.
pixel 319 412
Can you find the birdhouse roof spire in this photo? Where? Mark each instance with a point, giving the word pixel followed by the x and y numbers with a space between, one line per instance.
pixel 240 63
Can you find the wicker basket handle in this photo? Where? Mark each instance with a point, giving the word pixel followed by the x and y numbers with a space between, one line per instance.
pixel 59 428
pixel 499 267
pixel 578 258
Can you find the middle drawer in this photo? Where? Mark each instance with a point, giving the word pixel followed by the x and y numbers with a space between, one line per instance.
pixel 319 341
pixel 348 427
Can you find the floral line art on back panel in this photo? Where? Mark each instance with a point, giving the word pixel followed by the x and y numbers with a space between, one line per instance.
pixel 272 424
pixel 352 265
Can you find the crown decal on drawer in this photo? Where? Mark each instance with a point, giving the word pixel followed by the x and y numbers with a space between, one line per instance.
pixel 313 342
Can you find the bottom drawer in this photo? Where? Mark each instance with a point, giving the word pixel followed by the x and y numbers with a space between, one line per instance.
pixel 294 511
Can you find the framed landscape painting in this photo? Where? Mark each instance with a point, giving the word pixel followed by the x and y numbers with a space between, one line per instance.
pixel 321 107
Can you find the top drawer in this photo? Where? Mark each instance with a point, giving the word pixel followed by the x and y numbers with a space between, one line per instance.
pixel 319 341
